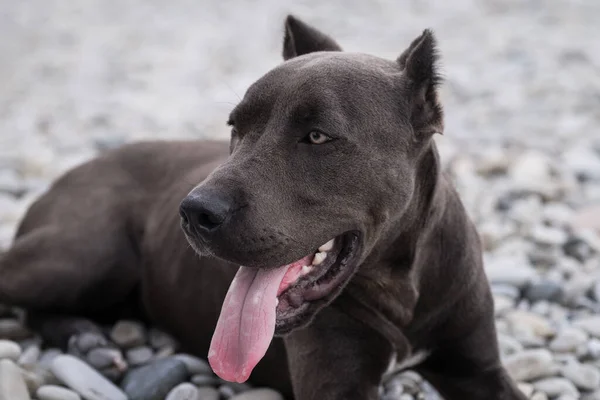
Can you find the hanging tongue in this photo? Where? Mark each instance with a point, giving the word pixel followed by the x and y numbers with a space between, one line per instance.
pixel 247 321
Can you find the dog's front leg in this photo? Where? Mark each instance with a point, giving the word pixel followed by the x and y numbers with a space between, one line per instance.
pixel 337 358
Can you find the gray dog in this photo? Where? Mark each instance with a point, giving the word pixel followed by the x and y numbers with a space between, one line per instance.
pixel 355 250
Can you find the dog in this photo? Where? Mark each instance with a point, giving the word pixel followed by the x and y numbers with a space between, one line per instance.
pixel 321 245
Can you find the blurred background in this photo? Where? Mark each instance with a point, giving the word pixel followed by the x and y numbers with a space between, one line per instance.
pixel 522 101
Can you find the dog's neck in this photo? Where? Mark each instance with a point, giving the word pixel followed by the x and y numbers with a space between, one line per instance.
pixel 387 274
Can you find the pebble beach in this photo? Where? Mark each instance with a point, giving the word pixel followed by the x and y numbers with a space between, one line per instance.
pixel 521 144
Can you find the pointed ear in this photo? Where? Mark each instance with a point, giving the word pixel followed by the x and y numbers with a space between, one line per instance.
pixel 301 38
pixel 419 63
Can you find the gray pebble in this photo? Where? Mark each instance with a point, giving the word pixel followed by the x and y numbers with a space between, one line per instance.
pixel 36 376
pixel 184 391
pixel 554 387
pixel 48 356
pixel 83 379
pixel 100 358
pixel 194 365
pixel 589 324
pixel 226 391
pixel 503 289
pixel 208 393
pixel 139 355
pixel 154 381
pixel 205 380
pixel 159 339
pixel 30 356
pixel 128 334
pixel 9 350
pixel 585 377
pixel 13 330
pixel 544 290
pixel 90 340
pixel 12 385
pixel 530 364
pixel 258 394
pixel 51 392
pixel 568 340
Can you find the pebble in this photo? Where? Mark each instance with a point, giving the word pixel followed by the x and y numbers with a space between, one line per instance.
pixel 530 364
pixel 538 325
pixel 48 356
pixel 544 290
pixel 13 330
pixel 154 381
pixel 194 365
pixel 568 340
pixel 205 380
pixel 585 377
pixel 555 386
pixel 30 356
pixel 518 275
pixel 9 350
pixel 51 392
pixel 589 324
pixel 36 376
pixel 128 334
pixel 105 357
pixel 12 385
pixel 139 355
pixel 159 339
pixel 208 393
pixel 83 379
pixel 258 394
pixel 184 391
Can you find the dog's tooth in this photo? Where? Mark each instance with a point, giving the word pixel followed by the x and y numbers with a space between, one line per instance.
pixel 327 246
pixel 319 257
pixel 306 269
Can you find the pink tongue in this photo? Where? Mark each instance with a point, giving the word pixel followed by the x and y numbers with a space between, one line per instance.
pixel 247 321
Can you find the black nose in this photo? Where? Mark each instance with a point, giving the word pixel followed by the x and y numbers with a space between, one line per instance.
pixel 204 210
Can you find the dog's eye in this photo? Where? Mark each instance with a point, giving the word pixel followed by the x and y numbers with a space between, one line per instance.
pixel 316 137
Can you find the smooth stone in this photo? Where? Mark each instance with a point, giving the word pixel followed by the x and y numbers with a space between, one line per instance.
pixel 194 365
pixel 9 350
pixel 543 290
pixel 48 357
pixel 538 325
pixel 506 290
pixel 526 388
pixel 549 236
pixel 510 270
pixel 509 345
pixel 568 340
pixel 502 304
pixel 208 393
pixel 128 334
pixel 592 396
pixel 154 381
pixel 205 380
pixel 589 324
pixel 30 356
pixel 13 330
pixel 12 385
pixel 139 355
pixel 554 387
pixel 539 396
pixel 51 392
pixel 36 376
pixel 159 339
pixel 585 377
pixel 101 358
pixel 578 249
pixel 83 379
pixel 90 340
pixel 593 348
pixel 587 218
pixel 530 364
pixel 184 391
pixel 258 394
pixel 239 387
pixel 226 391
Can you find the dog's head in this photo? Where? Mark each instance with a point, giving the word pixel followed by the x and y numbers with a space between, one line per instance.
pixel 323 159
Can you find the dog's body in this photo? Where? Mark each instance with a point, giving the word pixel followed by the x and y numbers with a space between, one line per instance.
pixel 407 280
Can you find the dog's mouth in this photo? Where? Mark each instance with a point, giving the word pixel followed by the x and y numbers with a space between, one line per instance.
pixel 263 302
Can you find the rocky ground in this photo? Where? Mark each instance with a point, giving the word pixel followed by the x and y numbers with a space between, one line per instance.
pixel 522 144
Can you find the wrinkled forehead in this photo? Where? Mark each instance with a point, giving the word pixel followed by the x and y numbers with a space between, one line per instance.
pixel 318 81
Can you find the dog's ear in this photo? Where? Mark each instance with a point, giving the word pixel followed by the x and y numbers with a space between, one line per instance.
pixel 419 63
pixel 300 38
